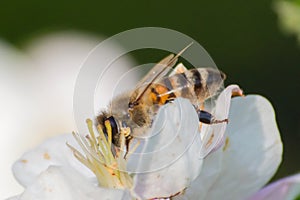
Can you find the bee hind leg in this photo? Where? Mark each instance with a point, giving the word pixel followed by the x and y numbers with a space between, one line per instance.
pixel 207 118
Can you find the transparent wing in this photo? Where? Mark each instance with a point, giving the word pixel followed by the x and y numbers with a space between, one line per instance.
pixel 180 68
pixel 158 71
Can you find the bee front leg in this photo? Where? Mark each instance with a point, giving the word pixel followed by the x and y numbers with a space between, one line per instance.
pixel 127 142
pixel 207 118
pixel 126 132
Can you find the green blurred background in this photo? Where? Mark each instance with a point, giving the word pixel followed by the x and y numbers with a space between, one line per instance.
pixel 243 37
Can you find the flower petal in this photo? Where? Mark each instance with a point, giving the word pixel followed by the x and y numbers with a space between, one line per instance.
pixel 62 183
pixel 52 152
pixel 285 189
pixel 210 173
pixel 252 151
pixel 199 187
pixel 14 103
pixel 213 135
pixel 169 160
pixel 13 198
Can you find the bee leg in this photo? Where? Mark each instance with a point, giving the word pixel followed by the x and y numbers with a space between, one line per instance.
pixel 127 142
pixel 207 118
pixel 125 131
pixel 170 100
pixel 201 108
pixel 133 149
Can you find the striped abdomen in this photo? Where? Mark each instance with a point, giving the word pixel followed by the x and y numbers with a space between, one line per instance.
pixel 196 84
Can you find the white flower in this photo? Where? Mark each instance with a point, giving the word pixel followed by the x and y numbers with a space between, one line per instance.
pixel 172 166
pixel 249 157
pixel 37 93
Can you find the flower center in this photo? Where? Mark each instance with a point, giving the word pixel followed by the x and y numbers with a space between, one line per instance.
pixel 108 165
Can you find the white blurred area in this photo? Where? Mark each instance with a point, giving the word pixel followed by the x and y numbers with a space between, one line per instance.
pixel 36 86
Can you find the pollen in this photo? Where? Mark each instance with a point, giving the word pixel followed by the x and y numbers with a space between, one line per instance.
pixel 209 142
pixel 46 156
pixel 108 165
pixel 226 145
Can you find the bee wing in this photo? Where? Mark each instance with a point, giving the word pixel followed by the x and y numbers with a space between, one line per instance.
pixel 180 68
pixel 157 72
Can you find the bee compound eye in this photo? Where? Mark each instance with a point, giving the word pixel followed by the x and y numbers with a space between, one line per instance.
pixel 113 124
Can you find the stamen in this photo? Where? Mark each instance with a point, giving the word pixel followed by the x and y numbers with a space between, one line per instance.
pixel 109 132
pixel 109 168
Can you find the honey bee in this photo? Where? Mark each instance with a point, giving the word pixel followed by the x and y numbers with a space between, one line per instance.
pixel 132 113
